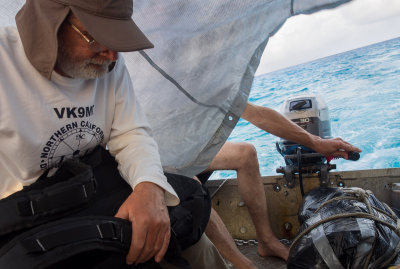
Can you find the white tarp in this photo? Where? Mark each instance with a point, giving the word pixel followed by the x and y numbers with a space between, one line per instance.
pixel 195 83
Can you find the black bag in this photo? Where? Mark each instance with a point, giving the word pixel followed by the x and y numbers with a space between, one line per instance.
pixel 345 228
pixel 66 220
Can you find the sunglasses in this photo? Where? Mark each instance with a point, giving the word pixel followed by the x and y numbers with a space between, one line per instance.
pixel 90 40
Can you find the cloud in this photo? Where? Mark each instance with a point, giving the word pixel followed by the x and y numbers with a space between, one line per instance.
pixel 371 11
pixel 308 37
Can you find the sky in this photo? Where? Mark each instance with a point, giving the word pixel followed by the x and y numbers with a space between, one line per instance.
pixel 304 38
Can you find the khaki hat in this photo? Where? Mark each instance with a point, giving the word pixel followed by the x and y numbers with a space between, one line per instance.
pixel 108 21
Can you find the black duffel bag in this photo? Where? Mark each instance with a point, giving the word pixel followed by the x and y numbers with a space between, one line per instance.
pixel 66 220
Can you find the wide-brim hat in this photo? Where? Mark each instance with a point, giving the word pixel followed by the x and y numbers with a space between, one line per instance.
pixel 108 21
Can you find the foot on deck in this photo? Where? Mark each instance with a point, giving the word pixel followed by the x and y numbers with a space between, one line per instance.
pixel 273 248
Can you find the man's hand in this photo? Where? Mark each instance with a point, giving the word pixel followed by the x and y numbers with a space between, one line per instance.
pixel 335 147
pixel 145 208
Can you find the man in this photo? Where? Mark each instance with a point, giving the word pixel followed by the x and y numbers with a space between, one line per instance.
pixel 242 157
pixel 64 90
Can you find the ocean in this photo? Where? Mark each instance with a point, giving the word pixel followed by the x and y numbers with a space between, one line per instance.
pixel 361 88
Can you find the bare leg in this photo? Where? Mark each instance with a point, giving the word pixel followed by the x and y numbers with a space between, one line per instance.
pixel 218 234
pixel 242 157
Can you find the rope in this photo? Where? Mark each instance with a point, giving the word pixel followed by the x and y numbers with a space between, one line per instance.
pixel 397 249
pixel 392 215
pixel 371 252
pixel 335 200
pixel 347 215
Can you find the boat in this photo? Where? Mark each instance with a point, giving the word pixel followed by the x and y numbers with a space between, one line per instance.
pixel 195 77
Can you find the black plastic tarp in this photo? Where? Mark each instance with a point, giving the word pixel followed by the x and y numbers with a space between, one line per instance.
pixel 345 228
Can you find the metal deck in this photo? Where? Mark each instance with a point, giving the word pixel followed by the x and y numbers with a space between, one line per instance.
pixel 250 251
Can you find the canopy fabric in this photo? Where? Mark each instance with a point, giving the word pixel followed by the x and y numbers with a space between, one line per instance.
pixel 195 83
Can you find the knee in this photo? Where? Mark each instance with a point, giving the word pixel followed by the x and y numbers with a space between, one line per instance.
pixel 248 155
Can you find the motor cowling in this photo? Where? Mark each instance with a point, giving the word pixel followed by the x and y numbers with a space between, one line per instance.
pixel 311 113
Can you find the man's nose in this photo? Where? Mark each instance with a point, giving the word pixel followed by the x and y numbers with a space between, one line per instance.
pixel 109 54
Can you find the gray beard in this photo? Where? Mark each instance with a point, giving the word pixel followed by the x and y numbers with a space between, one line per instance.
pixel 78 68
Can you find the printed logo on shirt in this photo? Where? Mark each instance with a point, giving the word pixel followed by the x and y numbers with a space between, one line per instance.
pixel 72 140
pixel 74 112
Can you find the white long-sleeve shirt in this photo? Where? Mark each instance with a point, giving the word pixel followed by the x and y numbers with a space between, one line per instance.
pixel 43 122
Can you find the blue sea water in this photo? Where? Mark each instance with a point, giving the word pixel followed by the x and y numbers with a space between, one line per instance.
pixel 362 90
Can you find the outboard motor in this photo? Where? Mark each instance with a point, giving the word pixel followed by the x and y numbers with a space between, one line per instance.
pixel 311 113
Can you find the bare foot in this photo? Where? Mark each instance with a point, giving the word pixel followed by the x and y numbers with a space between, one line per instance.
pixel 273 247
